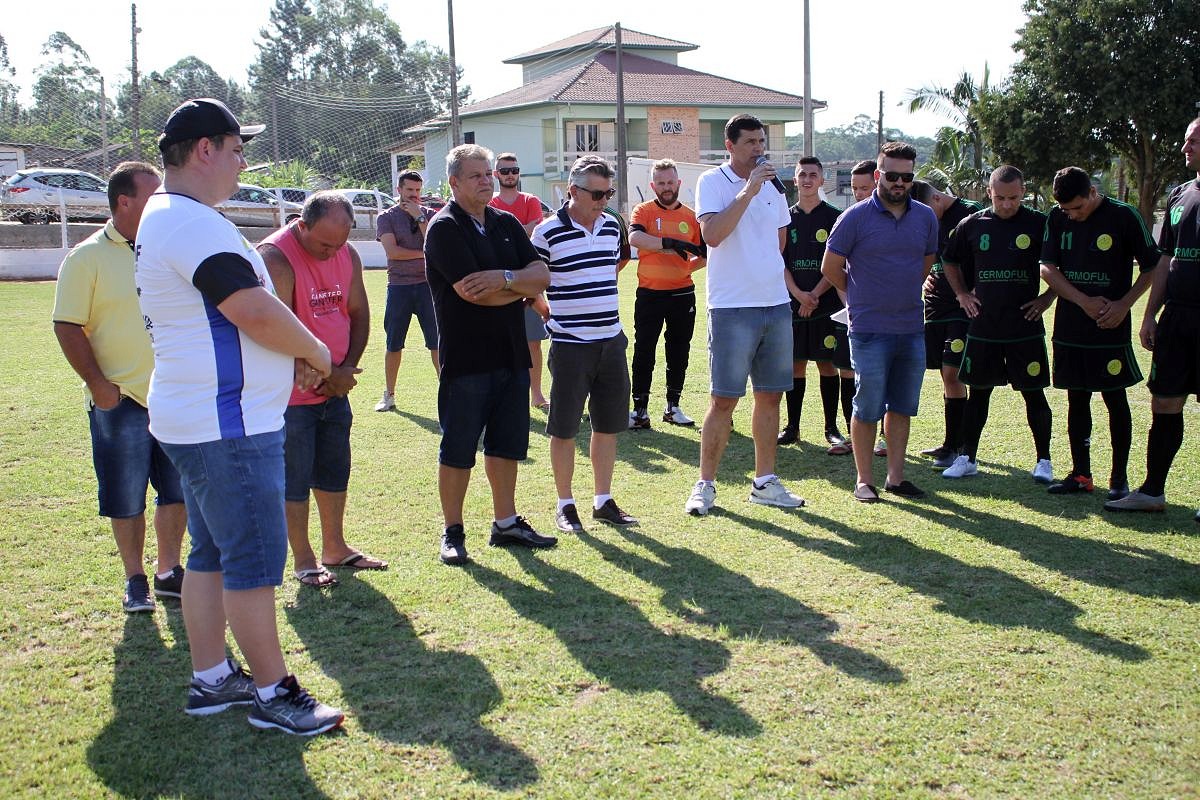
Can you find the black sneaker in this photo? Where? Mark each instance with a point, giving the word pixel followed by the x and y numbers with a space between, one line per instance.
pixel 639 420
pixel 519 533
pixel 137 595
pixel 170 586
pixel 1117 492
pixel 788 435
pixel 611 513
pixel 454 546
pixel 945 460
pixel 567 520
pixel 1072 484
pixel 293 710
pixel 834 437
pixel 941 451
pixel 236 690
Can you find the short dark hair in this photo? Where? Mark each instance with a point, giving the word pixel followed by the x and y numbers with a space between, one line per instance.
pixel 1070 183
pixel 409 175
pixel 742 122
pixel 922 191
pixel 121 182
pixel 663 164
pixel 320 204
pixel 176 155
pixel 810 160
pixel 1006 173
pixel 866 167
pixel 901 150
pixel 585 164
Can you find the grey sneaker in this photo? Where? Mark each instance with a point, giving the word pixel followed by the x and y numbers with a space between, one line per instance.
pixel 236 690
pixel 611 513
pixel 567 520
pixel 520 532
pixel 675 416
pixel 170 586
pixel 774 493
pixel 963 467
pixel 388 403
pixel 454 546
pixel 1136 501
pixel 294 710
pixel 701 500
pixel 137 595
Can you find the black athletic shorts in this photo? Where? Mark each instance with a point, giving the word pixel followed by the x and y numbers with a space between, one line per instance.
pixel 1175 368
pixel 1023 363
pixel 1095 369
pixel 819 339
pixel 944 343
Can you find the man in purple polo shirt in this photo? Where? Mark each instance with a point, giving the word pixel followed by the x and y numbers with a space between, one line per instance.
pixel 878 253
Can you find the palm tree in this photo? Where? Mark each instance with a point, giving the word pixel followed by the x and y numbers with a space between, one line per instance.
pixel 959 104
pixel 950 166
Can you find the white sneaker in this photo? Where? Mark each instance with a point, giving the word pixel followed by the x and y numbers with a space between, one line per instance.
pixel 675 416
pixel 963 467
pixel 774 493
pixel 388 403
pixel 1043 472
pixel 702 498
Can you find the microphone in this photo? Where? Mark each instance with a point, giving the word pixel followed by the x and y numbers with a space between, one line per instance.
pixel 778 184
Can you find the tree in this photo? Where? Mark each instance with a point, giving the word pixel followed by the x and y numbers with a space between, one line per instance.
pixel 952 167
pixel 9 109
pixel 162 92
pixel 959 104
pixel 336 83
pixel 66 95
pixel 1127 70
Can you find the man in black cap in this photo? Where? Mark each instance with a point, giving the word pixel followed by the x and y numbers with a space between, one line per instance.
pixel 226 352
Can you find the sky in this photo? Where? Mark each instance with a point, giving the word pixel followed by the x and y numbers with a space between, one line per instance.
pixel 857 51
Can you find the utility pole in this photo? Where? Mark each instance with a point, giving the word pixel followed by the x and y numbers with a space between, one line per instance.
pixel 103 128
pixel 135 92
pixel 622 167
pixel 274 126
pixel 455 123
pixel 879 128
pixel 808 105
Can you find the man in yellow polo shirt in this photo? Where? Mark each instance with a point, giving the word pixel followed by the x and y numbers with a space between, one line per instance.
pixel 103 335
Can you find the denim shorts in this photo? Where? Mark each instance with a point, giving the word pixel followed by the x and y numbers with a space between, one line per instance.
pixel 750 342
pixel 595 372
pixel 234 494
pixel 493 404
pixel 316 453
pixel 888 371
pixel 126 457
pixel 404 301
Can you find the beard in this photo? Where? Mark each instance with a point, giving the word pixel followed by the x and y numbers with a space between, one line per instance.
pixel 668 198
pixel 508 181
pixel 896 194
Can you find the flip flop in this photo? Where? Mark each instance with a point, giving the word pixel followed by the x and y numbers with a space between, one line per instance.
pixel 866 493
pixel 317 576
pixel 840 449
pixel 543 406
pixel 354 561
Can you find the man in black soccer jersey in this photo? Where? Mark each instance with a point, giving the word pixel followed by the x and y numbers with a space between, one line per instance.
pixel 945 323
pixel 814 335
pixel 997 251
pixel 1175 337
pixel 1088 251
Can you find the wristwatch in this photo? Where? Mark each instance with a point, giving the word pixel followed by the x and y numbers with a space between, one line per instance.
pixel 508 278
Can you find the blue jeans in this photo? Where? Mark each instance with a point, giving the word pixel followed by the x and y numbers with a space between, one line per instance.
pixel 317 451
pixel 888 370
pixel 403 302
pixel 126 457
pixel 492 404
pixel 233 489
pixel 749 342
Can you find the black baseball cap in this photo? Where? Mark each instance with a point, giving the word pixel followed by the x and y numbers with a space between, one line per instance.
pixel 203 117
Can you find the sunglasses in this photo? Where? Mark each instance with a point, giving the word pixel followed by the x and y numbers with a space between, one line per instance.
pixel 598 194
pixel 892 177
pixel 508 170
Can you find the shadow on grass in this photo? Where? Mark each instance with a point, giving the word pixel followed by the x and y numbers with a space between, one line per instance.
pixel 428 423
pixel 152 748
pixel 977 594
pixel 617 643
pixel 1137 570
pixel 704 592
pixel 398 689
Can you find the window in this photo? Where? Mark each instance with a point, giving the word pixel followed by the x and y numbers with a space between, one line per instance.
pixel 587 138
pixel 469 137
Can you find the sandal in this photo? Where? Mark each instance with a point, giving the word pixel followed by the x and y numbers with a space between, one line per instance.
pixel 840 449
pixel 317 576
pixel 358 561
pixel 866 493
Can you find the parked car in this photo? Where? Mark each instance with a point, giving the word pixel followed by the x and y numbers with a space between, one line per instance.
pixel 368 205
pixel 292 194
pixel 433 201
pixel 32 195
pixel 254 206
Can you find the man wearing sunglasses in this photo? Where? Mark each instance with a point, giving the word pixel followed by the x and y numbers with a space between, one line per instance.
pixel 743 219
pixel 879 252
pixel 582 245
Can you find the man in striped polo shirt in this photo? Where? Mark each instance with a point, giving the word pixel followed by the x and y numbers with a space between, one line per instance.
pixel 581 244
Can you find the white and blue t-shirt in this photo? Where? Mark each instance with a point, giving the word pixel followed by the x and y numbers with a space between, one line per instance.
pixel 583 276
pixel 210 380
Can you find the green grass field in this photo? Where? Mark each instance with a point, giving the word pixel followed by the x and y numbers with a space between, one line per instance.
pixel 989 640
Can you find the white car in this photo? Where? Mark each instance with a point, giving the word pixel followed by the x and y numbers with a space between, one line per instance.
pixel 368 205
pixel 255 207
pixel 32 195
